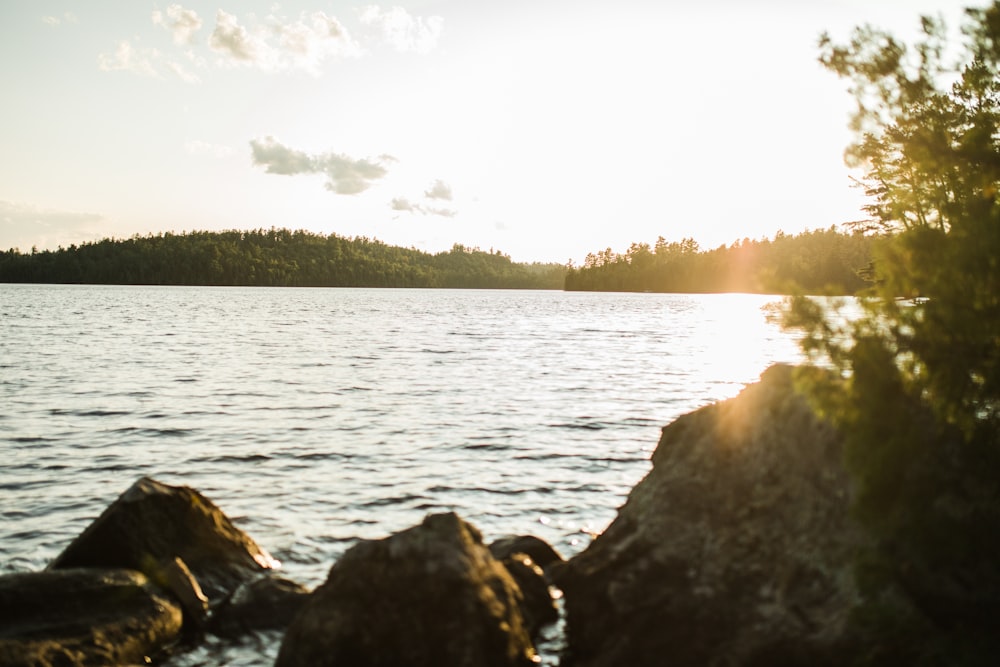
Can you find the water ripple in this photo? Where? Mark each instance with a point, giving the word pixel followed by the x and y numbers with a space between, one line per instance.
pixel 316 418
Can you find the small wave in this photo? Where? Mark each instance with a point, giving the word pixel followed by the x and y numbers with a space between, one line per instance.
pixel 156 432
pixel 487 447
pixel 394 500
pixel 545 456
pixel 588 426
pixel 30 439
pixel 318 456
pixel 232 458
pixel 60 412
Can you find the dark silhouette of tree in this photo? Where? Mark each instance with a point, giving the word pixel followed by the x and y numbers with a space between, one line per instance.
pixel 917 387
pixel 819 262
pixel 273 257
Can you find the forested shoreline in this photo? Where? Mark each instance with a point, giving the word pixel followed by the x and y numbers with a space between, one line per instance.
pixel 273 258
pixel 825 261
pixel 815 262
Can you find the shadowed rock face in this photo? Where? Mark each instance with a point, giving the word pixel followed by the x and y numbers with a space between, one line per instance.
pixel 83 617
pixel 734 550
pixel 153 523
pixel 267 603
pixel 538 608
pixel 428 596
pixel 541 552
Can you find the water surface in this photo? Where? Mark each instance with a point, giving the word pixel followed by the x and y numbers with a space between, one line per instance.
pixel 315 417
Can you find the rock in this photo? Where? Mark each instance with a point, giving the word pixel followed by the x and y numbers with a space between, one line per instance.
pixel 83 617
pixel 734 550
pixel 431 595
pixel 538 607
pixel 540 551
pixel 174 577
pixel 267 603
pixel 153 523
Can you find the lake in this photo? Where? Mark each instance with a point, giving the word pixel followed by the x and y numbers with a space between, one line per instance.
pixel 315 417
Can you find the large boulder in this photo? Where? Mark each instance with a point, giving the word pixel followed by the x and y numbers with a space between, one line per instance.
pixel 84 617
pixel 431 595
pixel 734 550
pixel 152 524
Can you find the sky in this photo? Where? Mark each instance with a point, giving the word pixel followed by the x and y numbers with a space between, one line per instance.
pixel 546 129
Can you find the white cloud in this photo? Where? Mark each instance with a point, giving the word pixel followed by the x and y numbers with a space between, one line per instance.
pixel 402 31
pixel 273 44
pixel 129 59
pixel 182 73
pixel 148 62
pixel 233 40
pixel 182 23
pixel 307 42
pixel 280 44
pixel 402 204
pixel 68 17
pixel 438 190
pixel 26 225
pixel 344 175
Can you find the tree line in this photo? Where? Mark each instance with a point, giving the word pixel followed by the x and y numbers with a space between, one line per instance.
pixel 273 257
pixel 816 262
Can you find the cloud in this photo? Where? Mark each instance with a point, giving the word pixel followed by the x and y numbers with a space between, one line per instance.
pixel 147 62
pixel 68 17
pixel 402 31
pixel 438 190
pixel 233 40
pixel 181 73
pixel 309 41
pixel 344 175
pixel 129 59
pixel 272 44
pixel 26 225
pixel 280 44
pixel 182 23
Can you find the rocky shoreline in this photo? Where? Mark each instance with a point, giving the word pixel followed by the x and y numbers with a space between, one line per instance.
pixel 736 549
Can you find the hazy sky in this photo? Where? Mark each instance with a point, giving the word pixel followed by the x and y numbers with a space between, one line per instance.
pixel 544 128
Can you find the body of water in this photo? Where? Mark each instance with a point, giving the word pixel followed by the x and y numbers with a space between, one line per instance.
pixel 315 417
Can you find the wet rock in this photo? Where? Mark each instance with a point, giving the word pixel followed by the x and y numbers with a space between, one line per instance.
pixel 538 607
pixel 540 551
pixel 734 550
pixel 84 617
pixel 267 603
pixel 153 523
pixel 428 596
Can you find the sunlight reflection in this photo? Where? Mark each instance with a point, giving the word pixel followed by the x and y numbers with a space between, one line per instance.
pixel 735 346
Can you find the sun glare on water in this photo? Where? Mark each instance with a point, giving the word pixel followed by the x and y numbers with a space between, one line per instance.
pixel 739 348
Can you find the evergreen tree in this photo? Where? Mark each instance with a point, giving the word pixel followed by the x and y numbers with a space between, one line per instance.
pixel 917 387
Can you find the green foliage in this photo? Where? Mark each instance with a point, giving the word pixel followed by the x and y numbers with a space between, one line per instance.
pixel 274 257
pixel 819 262
pixel 917 388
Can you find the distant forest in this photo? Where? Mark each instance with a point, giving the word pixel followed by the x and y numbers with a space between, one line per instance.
pixel 814 262
pixel 273 257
